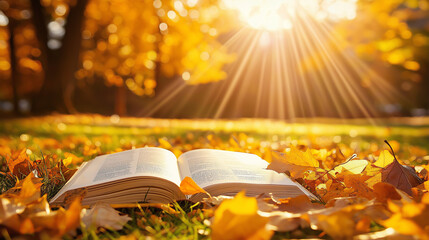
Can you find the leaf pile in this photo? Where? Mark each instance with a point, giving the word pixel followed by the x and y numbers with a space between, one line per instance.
pixel 365 193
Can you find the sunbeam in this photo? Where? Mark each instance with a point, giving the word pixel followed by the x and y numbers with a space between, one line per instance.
pixel 302 71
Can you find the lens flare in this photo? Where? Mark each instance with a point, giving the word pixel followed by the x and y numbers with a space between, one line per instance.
pixel 280 14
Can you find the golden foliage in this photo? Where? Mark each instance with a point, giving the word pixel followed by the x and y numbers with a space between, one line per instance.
pixel 138 43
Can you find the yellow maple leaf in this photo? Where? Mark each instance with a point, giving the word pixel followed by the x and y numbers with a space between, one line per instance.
pixel 296 162
pixel 384 159
pixel 299 158
pixel 238 218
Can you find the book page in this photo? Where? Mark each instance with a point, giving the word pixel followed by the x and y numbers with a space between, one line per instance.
pixel 208 166
pixel 150 161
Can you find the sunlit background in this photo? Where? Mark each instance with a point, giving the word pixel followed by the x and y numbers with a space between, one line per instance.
pixel 282 59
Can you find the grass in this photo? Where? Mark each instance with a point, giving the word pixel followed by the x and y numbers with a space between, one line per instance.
pixel 89 135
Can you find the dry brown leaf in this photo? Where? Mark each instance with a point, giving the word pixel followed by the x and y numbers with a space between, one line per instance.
pixel 238 218
pixel 402 177
pixel 103 215
pixel 18 163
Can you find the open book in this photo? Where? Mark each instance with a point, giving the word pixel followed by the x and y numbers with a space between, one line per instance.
pixel 154 174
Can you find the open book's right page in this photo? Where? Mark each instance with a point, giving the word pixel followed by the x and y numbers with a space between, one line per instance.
pixel 209 166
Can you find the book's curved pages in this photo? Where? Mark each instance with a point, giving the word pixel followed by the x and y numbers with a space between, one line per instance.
pixel 154 174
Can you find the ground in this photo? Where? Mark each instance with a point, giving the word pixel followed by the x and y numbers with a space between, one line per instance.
pixel 61 143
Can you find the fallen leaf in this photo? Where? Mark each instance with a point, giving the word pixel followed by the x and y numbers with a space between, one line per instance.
pixel 402 177
pixel 26 227
pixel 357 183
pixel 298 204
pixel 29 191
pixel 409 218
pixel 238 218
pixel 25 191
pixel 18 163
pixel 282 221
pixel 338 225
pixel 189 187
pixel 384 191
pixel 57 223
pixel 9 209
pixel 163 143
pixel 352 166
pixel 70 158
pixel 103 215
pixel 384 159
pixel 295 162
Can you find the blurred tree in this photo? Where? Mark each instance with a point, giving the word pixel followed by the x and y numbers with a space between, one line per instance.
pixel 132 45
pixel 59 30
pixel 21 73
pixel 140 45
pixel 394 33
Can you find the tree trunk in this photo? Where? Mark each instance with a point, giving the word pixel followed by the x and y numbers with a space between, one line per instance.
pixel 70 52
pixel 13 66
pixel 49 96
pixel 121 100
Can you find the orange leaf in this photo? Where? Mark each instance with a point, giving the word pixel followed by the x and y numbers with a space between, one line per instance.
pixel 384 191
pixel 189 187
pixel 296 162
pixel 26 227
pixel 238 218
pixel 18 164
pixel 29 189
pixel 72 217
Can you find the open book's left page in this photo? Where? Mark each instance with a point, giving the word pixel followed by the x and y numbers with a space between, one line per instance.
pixel 147 162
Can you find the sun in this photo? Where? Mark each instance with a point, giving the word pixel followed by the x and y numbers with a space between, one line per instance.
pixel 276 15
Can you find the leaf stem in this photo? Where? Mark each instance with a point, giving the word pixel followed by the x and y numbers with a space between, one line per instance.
pixel 393 152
